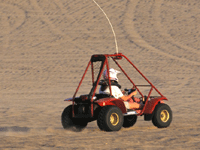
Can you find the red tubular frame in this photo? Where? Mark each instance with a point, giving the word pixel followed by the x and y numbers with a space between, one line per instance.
pixel 115 57
pixel 152 86
pixel 92 113
pixel 109 83
pixel 79 87
pixel 142 75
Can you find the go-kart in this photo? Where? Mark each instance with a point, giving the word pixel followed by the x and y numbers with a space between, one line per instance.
pixel 111 113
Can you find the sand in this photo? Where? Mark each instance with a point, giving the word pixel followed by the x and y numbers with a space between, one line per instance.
pixel 46 45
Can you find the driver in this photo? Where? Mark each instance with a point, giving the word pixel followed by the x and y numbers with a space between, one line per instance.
pixel 116 92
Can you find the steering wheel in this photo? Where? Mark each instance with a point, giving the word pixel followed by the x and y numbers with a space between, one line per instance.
pixel 129 91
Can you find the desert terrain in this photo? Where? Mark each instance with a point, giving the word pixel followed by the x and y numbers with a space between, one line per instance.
pixel 45 46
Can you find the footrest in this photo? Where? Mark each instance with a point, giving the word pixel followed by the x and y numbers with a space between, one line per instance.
pixel 130 112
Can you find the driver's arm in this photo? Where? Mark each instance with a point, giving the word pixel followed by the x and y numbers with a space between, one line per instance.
pixel 126 97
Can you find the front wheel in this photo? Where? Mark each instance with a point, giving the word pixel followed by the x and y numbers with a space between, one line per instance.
pixel 70 123
pixel 110 118
pixel 162 116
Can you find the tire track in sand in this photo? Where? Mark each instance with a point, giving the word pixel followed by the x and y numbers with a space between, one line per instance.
pixel 136 38
pixel 53 28
pixel 12 17
pixel 164 33
pixel 63 26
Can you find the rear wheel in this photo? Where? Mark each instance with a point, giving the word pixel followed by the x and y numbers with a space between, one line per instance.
pixel 70 123
pixel 162 116
pixel 129 121
pixel 110 118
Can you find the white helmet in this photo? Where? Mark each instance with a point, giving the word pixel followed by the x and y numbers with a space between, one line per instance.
pixel 113 74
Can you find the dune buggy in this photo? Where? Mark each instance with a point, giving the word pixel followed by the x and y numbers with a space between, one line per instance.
pixel 111 113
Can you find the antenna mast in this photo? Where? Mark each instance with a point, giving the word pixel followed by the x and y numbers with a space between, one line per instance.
pixel 110 25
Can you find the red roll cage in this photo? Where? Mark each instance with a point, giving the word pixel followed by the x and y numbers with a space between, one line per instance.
pixel 103 58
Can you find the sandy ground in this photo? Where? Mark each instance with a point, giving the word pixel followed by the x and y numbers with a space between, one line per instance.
pixel 46 45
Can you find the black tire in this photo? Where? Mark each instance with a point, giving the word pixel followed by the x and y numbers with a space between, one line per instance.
pixel 162 116
pixel 129 121
pixel 69 123
pixel 110 118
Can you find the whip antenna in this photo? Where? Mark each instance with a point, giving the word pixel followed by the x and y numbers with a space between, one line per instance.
pixel 110 25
